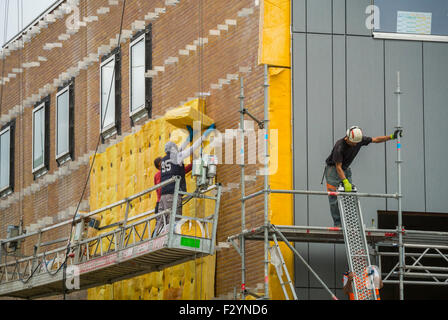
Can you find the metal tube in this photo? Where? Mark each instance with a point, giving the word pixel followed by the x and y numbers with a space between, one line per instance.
pixel 266 181
pixel 253 195
pixel 427 268
pixel 400 220
pixel 425 246
pixel 215 218
pixel 347 194
pixel 408 254
pixel 417 282
pixel 174 210
pixel 423 275
pixel 243 191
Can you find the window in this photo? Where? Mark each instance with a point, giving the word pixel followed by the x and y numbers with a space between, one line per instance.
pixel 40 138
pixel 110 90
pixel 412 19
pixel 6 159
pixel 64 124
pixel 140 88
pixel 108 94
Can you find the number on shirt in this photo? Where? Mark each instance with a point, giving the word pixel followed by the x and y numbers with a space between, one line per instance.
pixel 166 166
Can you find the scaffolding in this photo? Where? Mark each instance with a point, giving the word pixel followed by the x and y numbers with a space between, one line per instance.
pixel 129 249
pixel 430 244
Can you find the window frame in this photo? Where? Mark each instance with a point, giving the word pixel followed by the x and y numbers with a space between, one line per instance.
pixel 406 36
pixel 42 169
pixel 65 156
pixel 4 191
pixel 110 127
pixel 131 45
pixel 36 109
pixel 145 110
pixel 66 89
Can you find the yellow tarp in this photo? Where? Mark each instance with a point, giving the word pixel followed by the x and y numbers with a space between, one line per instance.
pixel 275 33
pixel 274 50
pixel 127 168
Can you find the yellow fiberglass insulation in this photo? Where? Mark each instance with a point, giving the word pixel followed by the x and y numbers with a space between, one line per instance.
pixel 127 168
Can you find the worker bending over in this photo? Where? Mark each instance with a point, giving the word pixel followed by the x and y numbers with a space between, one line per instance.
pixel 337 168
pixel 172 164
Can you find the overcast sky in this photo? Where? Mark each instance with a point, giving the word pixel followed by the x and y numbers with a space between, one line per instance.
pixel 13 8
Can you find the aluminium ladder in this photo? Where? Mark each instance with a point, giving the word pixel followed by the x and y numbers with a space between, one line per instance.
pixel 278 262
pixel 356 246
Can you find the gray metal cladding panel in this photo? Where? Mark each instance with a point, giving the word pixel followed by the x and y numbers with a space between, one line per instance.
pixel 319 294
pixel 365 108
pixel 339 16
pixel 340 263
pixel 320 120
pixel 339 88
pixel 435 57
pixel 303 293
pixel 319 16
pixel 322 262
pixel 406 57
pixel 298 15
pixel 301 273
pixel 300 124
pixel 356 17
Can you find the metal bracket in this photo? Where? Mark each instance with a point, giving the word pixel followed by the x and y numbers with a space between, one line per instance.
pixel 260 123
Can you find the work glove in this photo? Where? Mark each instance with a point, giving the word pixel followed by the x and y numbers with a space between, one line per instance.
pixel 347 185
pixel 209 130
pixel 190 131
pixel 397 132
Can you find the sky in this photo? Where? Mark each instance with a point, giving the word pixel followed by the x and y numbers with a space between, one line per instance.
pixel 13 8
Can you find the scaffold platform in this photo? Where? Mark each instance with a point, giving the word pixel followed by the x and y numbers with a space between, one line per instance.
pixel 130 249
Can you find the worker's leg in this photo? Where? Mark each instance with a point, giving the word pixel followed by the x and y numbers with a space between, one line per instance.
pixel 164 204
pixel 333 182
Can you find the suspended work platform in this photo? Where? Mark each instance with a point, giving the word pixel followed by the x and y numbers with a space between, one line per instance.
pixel 130 249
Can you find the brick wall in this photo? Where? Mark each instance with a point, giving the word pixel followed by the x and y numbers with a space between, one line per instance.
pixel 179 26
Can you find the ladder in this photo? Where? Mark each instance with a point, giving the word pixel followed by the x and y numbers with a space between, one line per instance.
pixel 356 246
pixel 280 266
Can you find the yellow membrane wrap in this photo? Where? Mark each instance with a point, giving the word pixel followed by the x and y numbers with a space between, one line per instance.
pixel 128 168
pixel 274 50
pixel 187 114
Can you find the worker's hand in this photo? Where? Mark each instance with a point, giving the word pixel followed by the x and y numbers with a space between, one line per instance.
pixel 190 131
pixel 209 130
pixel 347 185
pixel 397 132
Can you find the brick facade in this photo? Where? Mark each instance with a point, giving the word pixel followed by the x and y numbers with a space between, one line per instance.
pixel 172 31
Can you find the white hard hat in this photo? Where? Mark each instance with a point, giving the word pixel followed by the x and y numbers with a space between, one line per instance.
pixel 354 134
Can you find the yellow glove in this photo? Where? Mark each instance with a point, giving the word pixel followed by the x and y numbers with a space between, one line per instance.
pixel 347 185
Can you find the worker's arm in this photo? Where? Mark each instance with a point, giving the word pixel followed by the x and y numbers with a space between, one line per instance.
pixel 381 139
pixel 188 140
pixel 339 170
pixel 393 136
pixel 186 153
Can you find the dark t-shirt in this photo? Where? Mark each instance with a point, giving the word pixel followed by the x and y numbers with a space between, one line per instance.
pixel 342 152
